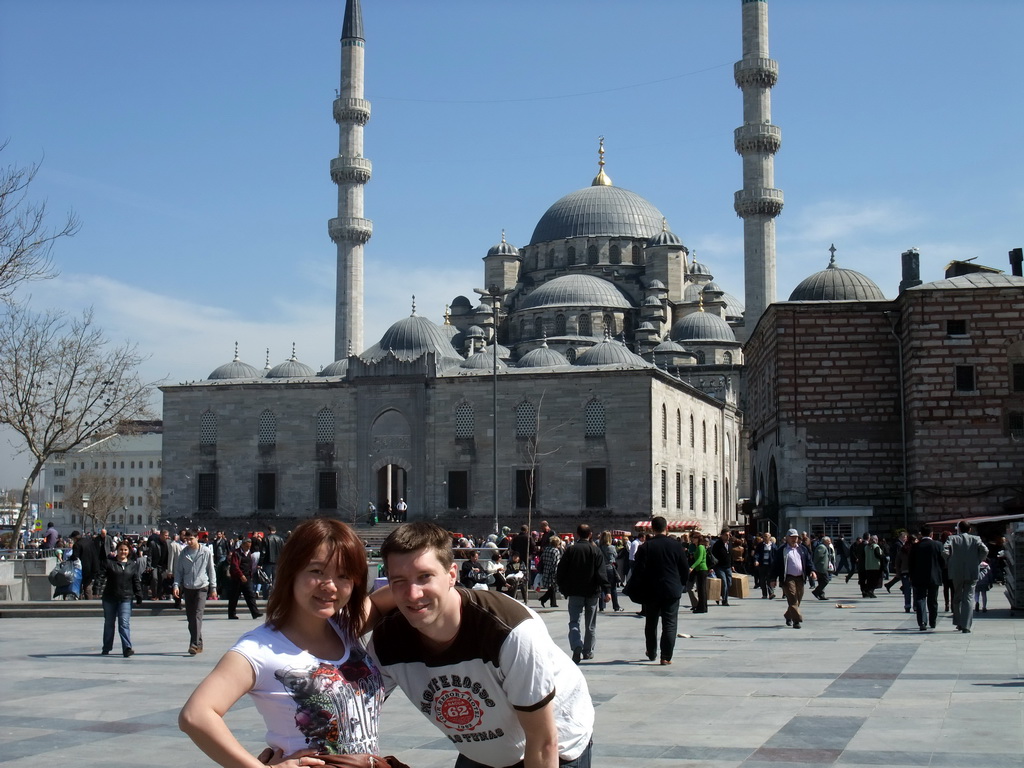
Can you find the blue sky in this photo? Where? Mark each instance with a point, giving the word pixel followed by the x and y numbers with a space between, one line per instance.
pixel 193 138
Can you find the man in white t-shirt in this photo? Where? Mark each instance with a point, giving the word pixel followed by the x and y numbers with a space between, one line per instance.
pixel 478 664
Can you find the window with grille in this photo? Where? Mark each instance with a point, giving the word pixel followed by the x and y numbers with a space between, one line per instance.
pixel 664 488
pixel 716 440
pixel 551 259
pixel 583 325
pixel 615 255
pixel 704 494
pixel 965 378
pixel 327 490
pixel 570 256
pixel 595 489
pixel 207 490
pixel 526 419
pixel 691 431
pixel 266 490
pixel 692 498
pixel 538 327
pixel 593 419
pixel 1017 375
pixel 679 490
pixel 727 358
pixel 268 429
pixel 704 436
pixel 635 255
pixel 592 254
pixel 609 324
pixel 714 497
pixel 208 428
pixel 1015 423
pixel 664 423
pixel 464 424
pixel 458 489
pixel 560 325
pixel 325 426
pixel 570 355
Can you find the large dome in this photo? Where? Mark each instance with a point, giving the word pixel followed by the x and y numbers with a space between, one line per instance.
pixel 410 338
pixel 599 211
pixel 701 326
pixel 576 291
pixel 836 284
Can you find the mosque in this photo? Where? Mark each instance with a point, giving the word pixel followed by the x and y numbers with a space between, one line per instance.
pixel 600 374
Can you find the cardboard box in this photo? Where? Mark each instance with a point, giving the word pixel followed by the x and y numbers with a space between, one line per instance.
pixel 740 586
pixel 714 589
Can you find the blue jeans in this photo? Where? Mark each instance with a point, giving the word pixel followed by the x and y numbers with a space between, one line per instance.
pixel 588 607
pixel 725 574
pixel 583 761
pixel 122 612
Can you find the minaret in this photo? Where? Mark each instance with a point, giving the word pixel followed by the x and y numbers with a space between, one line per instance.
pixel 757 140
pixel 350 171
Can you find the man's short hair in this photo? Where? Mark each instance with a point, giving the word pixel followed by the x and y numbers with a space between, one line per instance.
pixel 926 530
pixel 524 529
pixel 412 537
pixel 963 526
pixel 583 531
pixel 659 524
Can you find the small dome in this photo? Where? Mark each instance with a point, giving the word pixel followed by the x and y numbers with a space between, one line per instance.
pixel 702 326
pixel 462 304
pixel 598 211
pixel 646 326
pixel 733 306
pixel 696 268
pixel 665 237
pixel 482 309
pixel 475 332
pixel 483 361
pixel 410 338
pixel 836 284
pixel 236 369
pixel 712 287
pixel 290 369
pixel 542 357
pixel 503 248
pixel 653 301
pixel 577 291
pixel 337 368
pixel 669 346
pixel 610 352
pixel 656 285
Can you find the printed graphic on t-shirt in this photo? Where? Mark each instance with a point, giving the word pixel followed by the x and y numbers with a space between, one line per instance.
pixel 326 695
pixel 457 704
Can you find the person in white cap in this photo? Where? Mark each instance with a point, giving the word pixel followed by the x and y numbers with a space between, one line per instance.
pixel 792 568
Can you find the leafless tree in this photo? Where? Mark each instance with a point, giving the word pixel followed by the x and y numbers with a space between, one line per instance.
pixel 25 240
pixel 533 453
pixel 63 385
pixel 96 497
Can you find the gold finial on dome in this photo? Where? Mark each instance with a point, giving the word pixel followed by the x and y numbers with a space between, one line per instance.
pixel 413 313
pixel 602 179
pixel 503 235
pixel 447 315
pixel 700 302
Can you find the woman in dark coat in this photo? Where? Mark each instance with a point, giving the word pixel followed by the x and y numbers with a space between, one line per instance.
pixel 122 586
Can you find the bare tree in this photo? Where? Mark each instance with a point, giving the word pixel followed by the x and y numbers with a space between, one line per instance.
pixel 532 453
pixel 25 240
pixel 96 497
pixel 62 385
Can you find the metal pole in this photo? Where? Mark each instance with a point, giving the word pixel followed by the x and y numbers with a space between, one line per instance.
pixel 494 405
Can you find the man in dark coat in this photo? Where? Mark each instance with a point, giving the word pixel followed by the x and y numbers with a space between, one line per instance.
pixel 660 570
pixel 84 550
pixel 583 577
pixel 925 562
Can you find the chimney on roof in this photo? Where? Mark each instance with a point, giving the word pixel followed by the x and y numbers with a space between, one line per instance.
pixel 911 269
pixel 1016 261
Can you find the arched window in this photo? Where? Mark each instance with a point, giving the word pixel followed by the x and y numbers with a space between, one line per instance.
pixel 615 255
pixel 538 327
pixel 522 328
pixel 325 426
pixel 526 419
pixel 704 436
pixel 727 358
pixel 464 423
pixel 570 256
pixel 560 325
pixel 570 355
pixel 679 427
pixel 208 428
pixel 716 440
pixel 583 325
pixel 691 432
pixel 551 259
pixel 635 255
pixel 592 254
pixel 609 324
pixel 593 418
pixel 268 428
pixel 664 422
pixel 700 356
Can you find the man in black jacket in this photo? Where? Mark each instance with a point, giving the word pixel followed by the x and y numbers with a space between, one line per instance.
pixel 582 573
pixel 925 563
pixel 659 572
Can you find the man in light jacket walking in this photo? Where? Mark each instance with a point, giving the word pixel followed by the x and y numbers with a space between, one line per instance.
pixel 964 552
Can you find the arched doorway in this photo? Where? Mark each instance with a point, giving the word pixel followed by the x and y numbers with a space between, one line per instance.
pixel 391 441
pixel 391 485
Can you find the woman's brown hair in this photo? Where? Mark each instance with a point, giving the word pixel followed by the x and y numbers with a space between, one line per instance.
pixel 343 548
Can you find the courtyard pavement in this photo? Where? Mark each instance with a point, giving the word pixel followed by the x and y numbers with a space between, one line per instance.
pixel 855 686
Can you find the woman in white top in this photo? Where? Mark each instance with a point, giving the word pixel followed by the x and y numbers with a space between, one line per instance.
pixel 305 668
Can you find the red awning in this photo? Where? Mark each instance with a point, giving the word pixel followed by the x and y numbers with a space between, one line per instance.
pixel 976 520
pixel 673 525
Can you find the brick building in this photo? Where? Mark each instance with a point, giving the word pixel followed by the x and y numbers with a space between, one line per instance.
pixel 829 377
